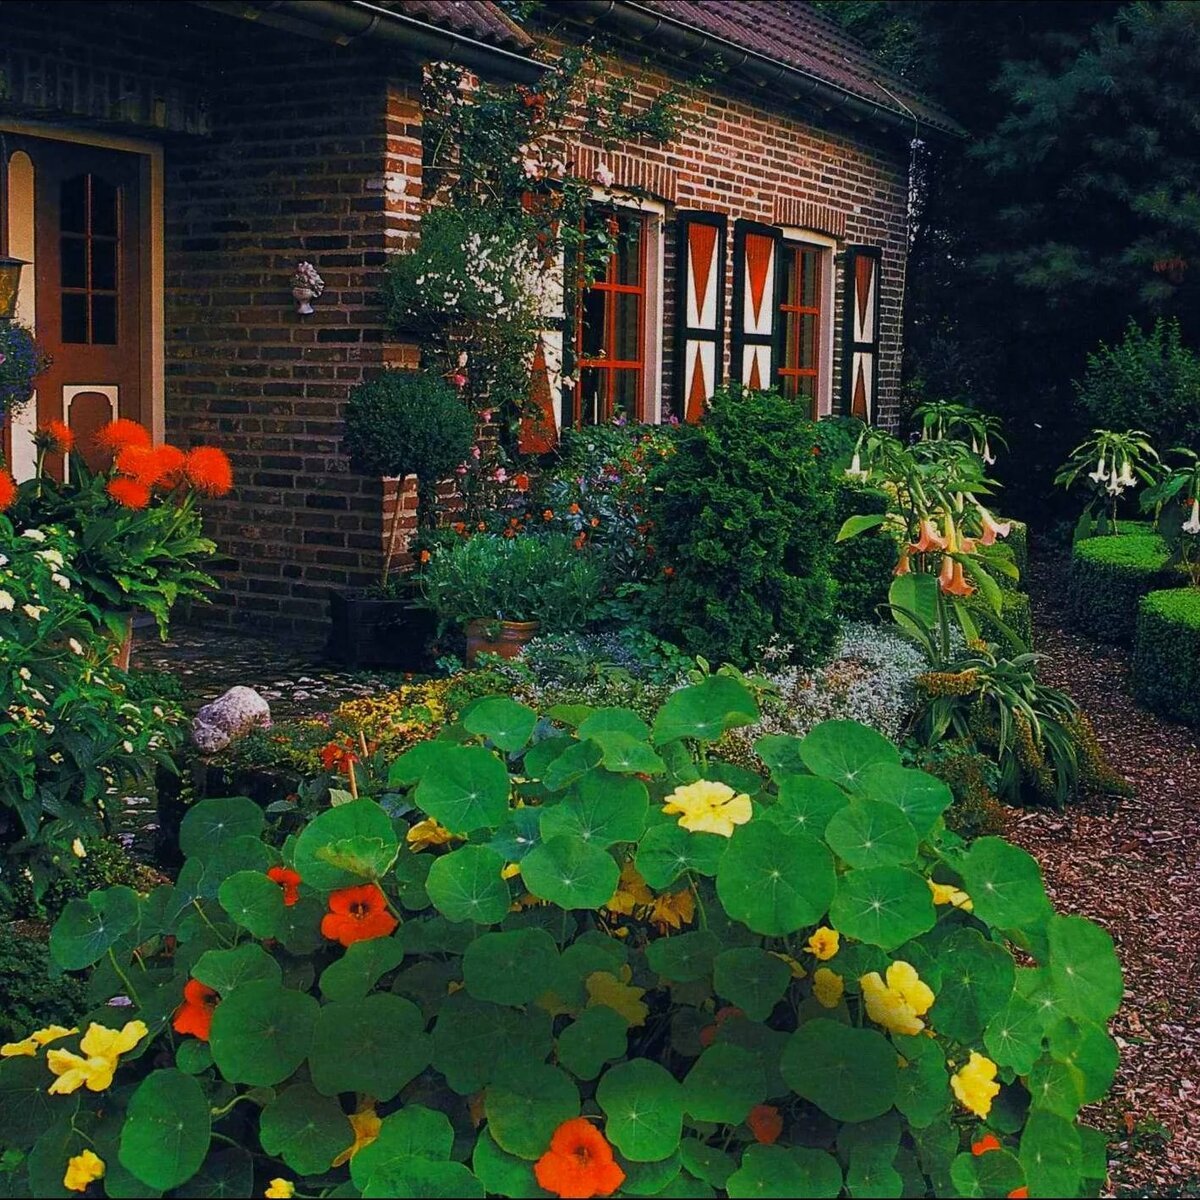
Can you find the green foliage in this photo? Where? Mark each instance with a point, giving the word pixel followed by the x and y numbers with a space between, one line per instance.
pixel 31 996
pixel 1149 380
pixel 744 518
pixel 596 974
pixel 1108 577
pixel 543 579
pixel 409 423
pixel 973 778
pixel 1014 618
pixel 1166 655
pixel 862 566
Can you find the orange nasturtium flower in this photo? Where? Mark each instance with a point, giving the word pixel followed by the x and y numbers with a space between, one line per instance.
pixel 194 1015
pixel 289 881
pixel 988 1142
pixel 336 757
pixel 765 1123
pixel 129 493
pixel 579 1162
pixel 357 914
pixel 1020 1193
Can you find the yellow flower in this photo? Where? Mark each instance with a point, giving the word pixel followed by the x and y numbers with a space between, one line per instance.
pixel 673 911
pixel 604 988
pixel 102 1042
pixel 280 1189
pixel 366 1126
pixel 828 987
pixel 824 943
pixel 34 1042
pixel 798 972
pixel 83 1169
pixel 510 870
pixel 631 892
pixel 900 1003
pixel 709 807
pixel 947 893
pixel 102 1048
pixel 975 1085
pixel 427 833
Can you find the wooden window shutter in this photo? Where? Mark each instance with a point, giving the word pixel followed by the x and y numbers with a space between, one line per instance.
pixel 860 332
pixel 755 306
pixel 543 416
pixel 699 310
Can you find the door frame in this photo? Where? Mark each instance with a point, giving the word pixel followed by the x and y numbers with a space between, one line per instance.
pixel 151 254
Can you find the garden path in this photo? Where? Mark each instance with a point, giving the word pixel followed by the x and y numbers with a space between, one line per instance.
pixel 1133 866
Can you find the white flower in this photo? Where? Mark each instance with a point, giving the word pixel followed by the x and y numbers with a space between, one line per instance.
pixel 75 646
pixel 34 535
pixel 1192 524
pixel 77 849
pixel 988 456
pixel 33 611
pixel 604 175
pixel 62 581
pixel 24 673
pixel 854 470
pixel 52 556
pixel 1099 474
pixel 6 602
pixel 1127 479
pixel 127 747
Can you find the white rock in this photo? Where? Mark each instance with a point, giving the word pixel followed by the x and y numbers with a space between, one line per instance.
pixel 228 718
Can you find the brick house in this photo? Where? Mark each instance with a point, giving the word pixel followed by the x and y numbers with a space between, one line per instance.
pixel 165 167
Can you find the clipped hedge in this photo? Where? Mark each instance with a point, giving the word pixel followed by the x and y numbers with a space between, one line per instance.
pixel 862 566
pixel 1166 656
pixel 1018 543
pixel 1108 577
pixel 1014 613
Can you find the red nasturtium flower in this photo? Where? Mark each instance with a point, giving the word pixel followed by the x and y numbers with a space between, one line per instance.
pixel 8 490
pixel 289 881
pixel 579 1162
pixel 336 757
pixel 708 1034
pixel 194 1015
pixel 120 433
pixel 1020 1193
pixel 765 1123
pixel 357 914
pixel 209 471
pixel 128 493
pixel 989 1141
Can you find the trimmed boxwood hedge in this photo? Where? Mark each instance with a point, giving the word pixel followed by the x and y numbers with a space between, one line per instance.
pixel 1014 612
pixel 862 566
pixel 1166 655
pixel 1018 543
pixel 1109 575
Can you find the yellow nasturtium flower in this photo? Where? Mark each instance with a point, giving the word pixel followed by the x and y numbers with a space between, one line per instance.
pixel 280 1189
pixel 824 943
pixel 83 1169
pixel 828 987
pixel 102 1048
pixel 35 1041
pixel 427 833
pixel 366 1125
pixel 709 807
pixel 947 893
pixel 900 1003
pixel 604 988
pixel 975 1084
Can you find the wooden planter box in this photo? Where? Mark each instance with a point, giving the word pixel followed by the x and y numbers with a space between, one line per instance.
pixel 368 632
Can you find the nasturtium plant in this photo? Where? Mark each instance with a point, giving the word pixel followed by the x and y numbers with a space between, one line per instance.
pixel 576 977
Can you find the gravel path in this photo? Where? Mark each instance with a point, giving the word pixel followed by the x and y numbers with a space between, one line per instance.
pixel 1133 866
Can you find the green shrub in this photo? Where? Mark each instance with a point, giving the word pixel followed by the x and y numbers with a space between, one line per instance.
pixel 439 984
pixel 744 515
pixel 1166 654
pixel 1014 613
pixel 1108 577
pixel 977 810
pixel 1018 542
pixel 862 566
pixel 1149 380
pixel 32 994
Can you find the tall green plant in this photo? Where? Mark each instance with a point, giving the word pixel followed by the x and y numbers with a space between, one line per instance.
pixel 1122 461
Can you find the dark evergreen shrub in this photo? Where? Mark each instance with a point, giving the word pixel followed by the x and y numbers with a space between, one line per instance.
pixel 1166 655
pixel 1109 575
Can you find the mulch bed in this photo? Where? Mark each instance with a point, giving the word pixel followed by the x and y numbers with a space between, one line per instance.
pixel 1133 866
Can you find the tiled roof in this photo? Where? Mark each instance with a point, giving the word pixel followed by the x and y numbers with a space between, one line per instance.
pixel 478 19
pixel 795 34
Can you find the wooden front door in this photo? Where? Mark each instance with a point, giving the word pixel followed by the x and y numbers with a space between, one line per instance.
pixel 88 280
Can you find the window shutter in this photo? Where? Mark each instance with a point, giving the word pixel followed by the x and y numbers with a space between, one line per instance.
pixel 543 415
pixel 755 307
pixel 860 332
pixel 699 310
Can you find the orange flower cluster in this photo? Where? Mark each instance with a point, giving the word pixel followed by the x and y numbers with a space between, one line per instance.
pixel 140 466
pixel 194 1015
pixel 8 490
pixel 579 1163
pixel 357 914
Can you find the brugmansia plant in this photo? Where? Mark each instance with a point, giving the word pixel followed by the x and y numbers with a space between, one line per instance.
pixel 576 955
pixel 939 419
pixel 1175 502
pixel 1122 460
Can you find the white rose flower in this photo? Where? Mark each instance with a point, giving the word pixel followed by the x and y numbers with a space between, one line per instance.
pixel 34 535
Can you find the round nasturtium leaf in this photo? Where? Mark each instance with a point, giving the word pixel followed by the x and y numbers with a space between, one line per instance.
pixel 359 969
pixel 517 834
pixel 685 957
pixel 996 1173
pixel 751 979
pixel 882 906
pixel 224 970
pixel 1086 1046
pixel 87 928
pixel 466 885
pixel 504 722
pixel 503 1174
pixel 776 1171
pixel 1051 1155
pixel 253 901
pixel 724 1084
pixel 569 872
pixel 871 833
pixel 1005 885
pixel 1056 1087
pixel 705 710
pixel 605 809
pixel 375 1045
pixel 781 753
pixel 413 1132
pixel 775 882
pixel 805 804
pixel 423 1177
pixel 527 1105
pixel 211 825
pixel 225 1172
pixel 167 1130
pixel 307 1130
pixel 1084 968
pixel 977 981
pixel 843 750
pixel 614 720
pixel 597 1036
pixel 572 764
pixel 26 1108
pixel 1013 1037
pixel 468 790
pixel 846 1072
pixel 192 1057
pixel 923 1084
pixel 262 1033
pixel 643 1104
pixel 708 1163
pixel 627 755
pixel 668 851
pixel 920 796
pixel 510 968
pixel 359 819
pixel 474 1040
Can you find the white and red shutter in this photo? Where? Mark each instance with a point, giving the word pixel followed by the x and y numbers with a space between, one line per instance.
pixel 860 332
pixel 755 304
pixel 544 416
pixel 699 310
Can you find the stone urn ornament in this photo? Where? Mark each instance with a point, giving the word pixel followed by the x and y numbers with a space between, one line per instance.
pixel 307 286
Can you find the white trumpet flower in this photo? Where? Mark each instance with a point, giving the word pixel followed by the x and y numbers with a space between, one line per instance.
pixel 1100 473
pixel 1127 478
pixel 1192 524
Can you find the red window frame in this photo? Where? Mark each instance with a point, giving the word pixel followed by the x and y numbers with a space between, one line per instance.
pixel 792 368
pixel 608 365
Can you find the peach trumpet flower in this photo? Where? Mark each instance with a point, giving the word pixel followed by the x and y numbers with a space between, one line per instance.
pixel 992 529
pixel 903 567
pixel 953 582
pixel 929 538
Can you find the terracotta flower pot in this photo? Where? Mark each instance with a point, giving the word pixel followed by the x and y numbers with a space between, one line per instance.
pixel 509 637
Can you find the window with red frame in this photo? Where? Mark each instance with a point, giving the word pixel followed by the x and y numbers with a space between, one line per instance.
pixel 610 328
pixel 801 296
